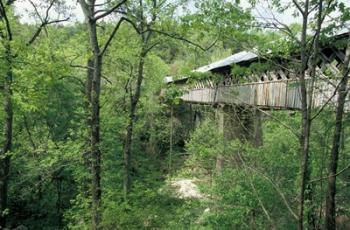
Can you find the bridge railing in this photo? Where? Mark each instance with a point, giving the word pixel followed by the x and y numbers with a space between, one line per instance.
pixel 279 94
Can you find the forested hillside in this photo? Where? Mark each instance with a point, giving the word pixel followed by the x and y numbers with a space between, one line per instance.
pixel 93 136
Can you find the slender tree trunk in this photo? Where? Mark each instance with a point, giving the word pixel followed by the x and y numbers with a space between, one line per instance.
pixel 95 142
pixel 333 164
pixel 220 116
pixel 134 99
pixel 93 89
pixel 95 126
pixel 309 190
pixel 305 132
pixel 88 87
pixel 7 145
pixel 58 201
pixel 87 156
pixel 171 141
pixel 127 157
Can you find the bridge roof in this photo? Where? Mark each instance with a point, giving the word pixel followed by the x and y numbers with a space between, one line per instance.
pixel 233 59
pixel 240 57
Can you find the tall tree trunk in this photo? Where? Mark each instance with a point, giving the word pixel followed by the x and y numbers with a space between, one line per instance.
pixel 95 142
pixel 134 99
pixel 95 126
pixel 171 140
pixel 87 94
pixel 87 156
pixel 88 86
pixel 59 179
pixel 94 87
pixel 330 223
pixel 305 132
pixel 311 213
pixel 7 145
pixel 220 116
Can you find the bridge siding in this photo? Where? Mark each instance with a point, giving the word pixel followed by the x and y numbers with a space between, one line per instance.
pixel 283 94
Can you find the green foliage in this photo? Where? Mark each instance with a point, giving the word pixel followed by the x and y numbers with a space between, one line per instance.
pixel 233 202
pixel 50 168
pixel 172 95
pixel 206 143
pixel 198 76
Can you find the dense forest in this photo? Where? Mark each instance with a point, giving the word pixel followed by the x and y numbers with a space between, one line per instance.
pixel 93 137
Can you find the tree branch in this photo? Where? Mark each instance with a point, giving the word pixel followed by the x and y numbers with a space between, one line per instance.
pixel 105 47
pixel 278 191
pixel 179 37
pixel 7 22
pixel 44 21
pixel 337 174
pixel 109 11
pixel 151 47
pixel 298 6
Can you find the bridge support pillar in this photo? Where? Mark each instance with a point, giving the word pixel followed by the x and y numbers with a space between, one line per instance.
pixel 243 123
pixel 238 122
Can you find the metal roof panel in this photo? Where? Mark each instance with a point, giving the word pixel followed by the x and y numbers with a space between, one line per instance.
pixel 233 59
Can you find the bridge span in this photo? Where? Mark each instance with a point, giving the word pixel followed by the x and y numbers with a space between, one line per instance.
pixel 238 98
pixel 277 88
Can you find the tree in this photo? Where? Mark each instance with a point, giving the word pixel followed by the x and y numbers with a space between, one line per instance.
pixel 338 129
pixel 92 16
pixel 309 49
pixel 144 16
pixel 7 37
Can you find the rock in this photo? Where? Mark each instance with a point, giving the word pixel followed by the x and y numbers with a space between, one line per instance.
pixel 186 189
pixel 207 210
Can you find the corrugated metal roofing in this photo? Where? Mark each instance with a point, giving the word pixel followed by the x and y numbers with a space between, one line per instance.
pixel 233 59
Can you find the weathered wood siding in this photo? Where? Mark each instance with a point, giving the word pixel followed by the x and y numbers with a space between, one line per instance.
pixel 283 94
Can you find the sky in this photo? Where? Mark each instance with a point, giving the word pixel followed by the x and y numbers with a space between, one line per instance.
pixel 25 9
pixel 262 12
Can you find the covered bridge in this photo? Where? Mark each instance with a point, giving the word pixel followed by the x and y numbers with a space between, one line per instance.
pixel 274 88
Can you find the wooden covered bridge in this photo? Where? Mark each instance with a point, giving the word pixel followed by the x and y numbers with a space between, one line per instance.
pixel 274 88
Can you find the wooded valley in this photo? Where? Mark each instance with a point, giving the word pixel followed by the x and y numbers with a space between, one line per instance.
pixel 162 114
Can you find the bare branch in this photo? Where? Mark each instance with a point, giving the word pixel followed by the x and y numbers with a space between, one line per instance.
pixel 57 21
pixel 36 11
pixel 334 175
pixel 48 9
pixel 151 47
pixel 109 11
pixel 325 104
pixel 179 37
pixel 105 47
pixel 280 193
pixel 298 6
pixel 134 26
pixel 255 191
pixel 44 21
pixel 91 68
